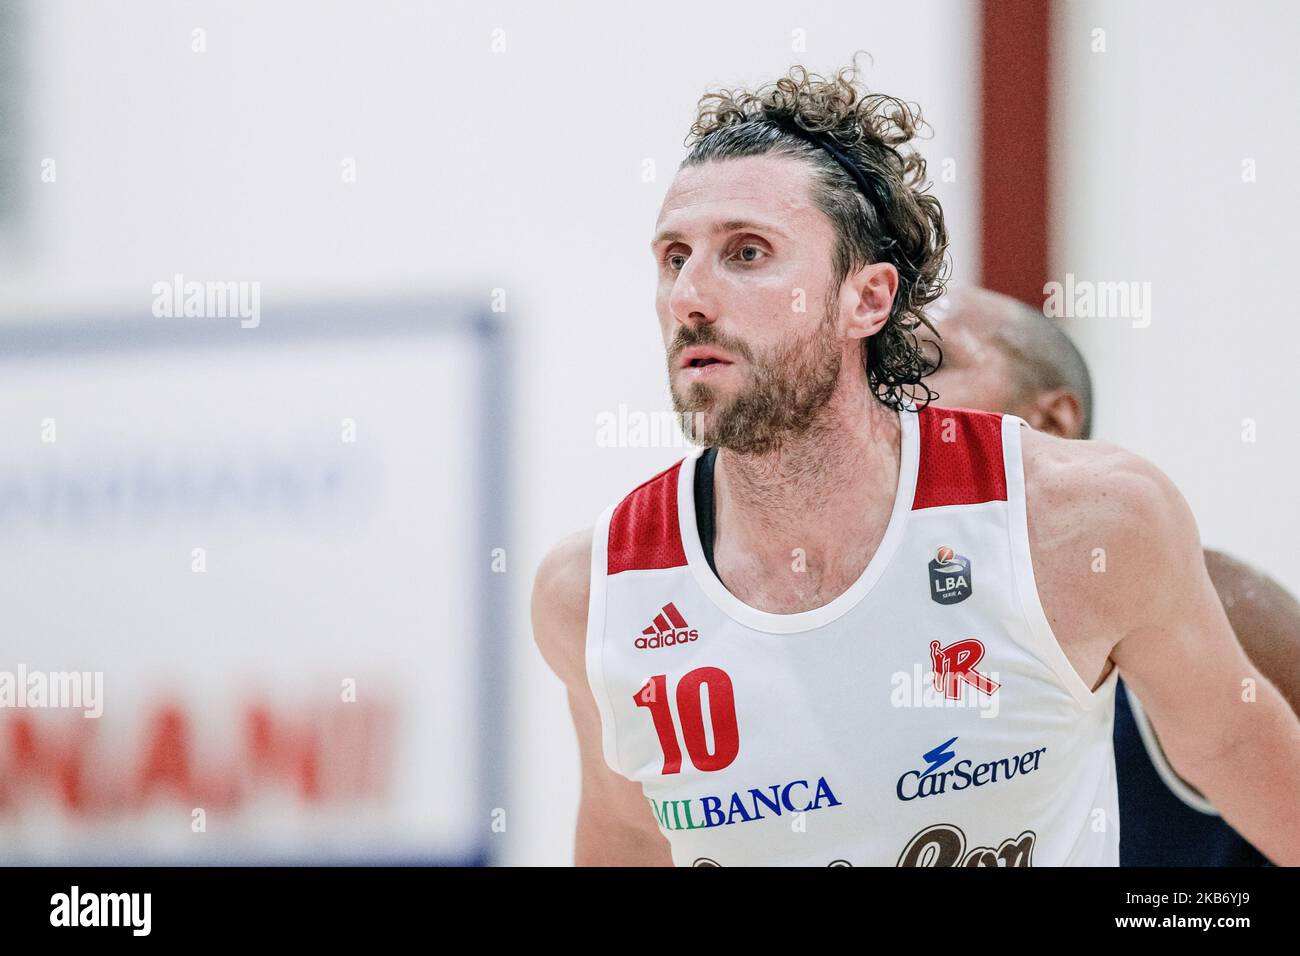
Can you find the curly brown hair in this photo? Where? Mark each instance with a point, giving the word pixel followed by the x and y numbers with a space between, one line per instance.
pixel 901 224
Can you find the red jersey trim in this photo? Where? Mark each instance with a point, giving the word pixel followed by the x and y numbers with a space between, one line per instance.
pixel 961 458
pixel 644 534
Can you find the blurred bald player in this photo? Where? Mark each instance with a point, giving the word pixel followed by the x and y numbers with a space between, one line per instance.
pixel 1000 355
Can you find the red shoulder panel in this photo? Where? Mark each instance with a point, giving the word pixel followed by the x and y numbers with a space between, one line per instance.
pixel 961 458
pixel 643 532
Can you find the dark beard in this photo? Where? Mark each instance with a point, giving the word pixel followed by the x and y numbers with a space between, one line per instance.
pixel 785 392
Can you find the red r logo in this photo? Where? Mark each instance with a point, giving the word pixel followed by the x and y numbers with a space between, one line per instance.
pixel 957 662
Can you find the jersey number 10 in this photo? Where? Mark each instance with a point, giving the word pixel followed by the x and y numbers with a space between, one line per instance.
pixel 653 695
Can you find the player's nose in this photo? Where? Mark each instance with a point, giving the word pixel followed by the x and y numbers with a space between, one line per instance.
pixel 693 299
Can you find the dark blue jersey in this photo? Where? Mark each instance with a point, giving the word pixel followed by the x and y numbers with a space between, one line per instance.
pixel 1163 821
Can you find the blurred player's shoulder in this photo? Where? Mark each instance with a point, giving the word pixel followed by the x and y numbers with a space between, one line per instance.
pixel 1264 616
pixel 1245 587
pixel 561 591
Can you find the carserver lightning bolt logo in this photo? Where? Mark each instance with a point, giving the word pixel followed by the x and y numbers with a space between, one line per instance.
pixel 667 629
pixel 939 756
pixel 950 578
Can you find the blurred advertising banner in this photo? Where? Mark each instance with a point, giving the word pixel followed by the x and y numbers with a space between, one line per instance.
pixel 249 610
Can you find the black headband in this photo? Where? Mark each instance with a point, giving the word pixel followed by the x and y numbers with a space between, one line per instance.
pixel 827 142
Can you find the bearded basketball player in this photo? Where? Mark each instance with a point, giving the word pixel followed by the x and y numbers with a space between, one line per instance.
pixel 1001 355
pixel 737 634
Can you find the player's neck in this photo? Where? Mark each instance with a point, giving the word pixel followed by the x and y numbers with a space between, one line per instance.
pixel 829 492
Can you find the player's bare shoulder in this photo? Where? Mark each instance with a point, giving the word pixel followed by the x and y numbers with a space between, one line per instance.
pixel 1103 524
pixel 1091 478
pixel 561 592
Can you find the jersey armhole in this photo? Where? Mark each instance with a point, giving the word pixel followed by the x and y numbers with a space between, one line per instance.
pixel 1045 643
pixel 595 640
pixel 1155 753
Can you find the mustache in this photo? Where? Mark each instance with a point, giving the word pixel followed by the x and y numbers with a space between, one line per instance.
pixel 686 336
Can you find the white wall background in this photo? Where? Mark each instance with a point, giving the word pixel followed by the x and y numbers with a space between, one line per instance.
pixel 1151 136
pixel 476 170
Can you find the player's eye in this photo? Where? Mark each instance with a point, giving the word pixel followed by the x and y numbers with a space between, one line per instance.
pixel 670 259
pixel 750 248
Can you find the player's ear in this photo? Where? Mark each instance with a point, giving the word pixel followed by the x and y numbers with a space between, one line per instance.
pixel 870 292
pixel 1057 412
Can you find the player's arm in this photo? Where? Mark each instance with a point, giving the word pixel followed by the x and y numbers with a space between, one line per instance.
pixel 1265 618
pixel 1226 728
pixel 616 826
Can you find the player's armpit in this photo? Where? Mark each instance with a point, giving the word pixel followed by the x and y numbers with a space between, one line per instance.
pixel 1225 728
pixel 616 826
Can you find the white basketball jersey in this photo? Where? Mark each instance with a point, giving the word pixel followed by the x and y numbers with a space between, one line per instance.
pixel 925 717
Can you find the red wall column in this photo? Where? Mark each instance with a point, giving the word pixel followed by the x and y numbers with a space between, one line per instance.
pixel 1014 201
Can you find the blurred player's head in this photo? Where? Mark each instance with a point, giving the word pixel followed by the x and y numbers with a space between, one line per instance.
pixel 1000 355
pixel 783 289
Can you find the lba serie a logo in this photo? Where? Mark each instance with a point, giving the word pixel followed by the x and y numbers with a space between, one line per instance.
pixel 950 580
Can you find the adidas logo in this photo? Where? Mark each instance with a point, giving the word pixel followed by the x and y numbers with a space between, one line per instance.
pixel 669 628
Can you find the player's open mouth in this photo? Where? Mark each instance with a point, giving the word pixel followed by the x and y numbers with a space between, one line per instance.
pixel 699 361
pixel 708 368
